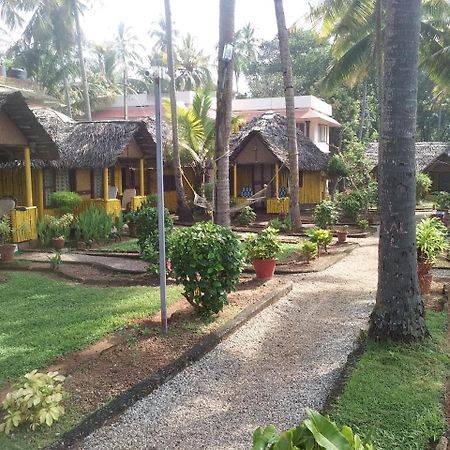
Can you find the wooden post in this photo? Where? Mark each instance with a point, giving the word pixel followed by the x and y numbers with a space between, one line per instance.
pixel 40 193
pixel 118 178
pixel 105 185
pixel 277 180
pixel 141 177
pixel 28 180
pixel 235 181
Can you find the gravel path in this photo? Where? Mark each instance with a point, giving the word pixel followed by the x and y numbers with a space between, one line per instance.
pixel 284 359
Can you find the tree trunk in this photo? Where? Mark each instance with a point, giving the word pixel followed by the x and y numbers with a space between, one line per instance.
pixel 87 103
pixel 223 114
pixel 379 45
pixel 399 311
pixel 362 112
pixel 65 83
pixel 184 213
pixel 125 90
pixel 286 64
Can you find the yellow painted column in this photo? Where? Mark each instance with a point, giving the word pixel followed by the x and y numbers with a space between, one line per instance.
pixel 141 177
pixel 28 180
pixel 235 181
pixel 277 181
pixel 40 198
pixel 105 185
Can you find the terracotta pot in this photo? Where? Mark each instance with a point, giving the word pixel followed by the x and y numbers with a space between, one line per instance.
pixel 264 268
pixel 7 252
pixel 58 243
pixel 425 280
pixel 342 236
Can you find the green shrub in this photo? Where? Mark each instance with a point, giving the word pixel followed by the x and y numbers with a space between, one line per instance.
pixel 442 199
pixel 363 224
pixel 281 224
pixel 151 200
pixel 431 239
pixel 66 201
pixel 5 230
pixel 320 237
pixel 51 227
pixel 315 433
pixel 207 260
pixel 264 245
pixel 308 249
pixel 93 225
pixel 246 216
pixel 325 214
pixel 337 167
pixel 55 260
pixel 35 400
pixel 352 204
pixel 423 186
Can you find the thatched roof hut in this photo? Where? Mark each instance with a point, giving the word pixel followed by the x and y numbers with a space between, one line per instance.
pixel 14 109
pixel 271 128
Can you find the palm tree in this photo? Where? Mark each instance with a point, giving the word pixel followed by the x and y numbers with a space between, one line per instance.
pixel 184 212
pixel 245 51
pixel 126 48
pixel 158 32
pixel 399 311
pixel 10 11
pixel 192 66
pixel 286 63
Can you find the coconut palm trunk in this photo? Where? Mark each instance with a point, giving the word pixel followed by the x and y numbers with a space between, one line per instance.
pixel 223 114
pixel 399 311
pixel 286 64
pixel 125 90
pixel 65 82
pixel 87 103
pixel 184 213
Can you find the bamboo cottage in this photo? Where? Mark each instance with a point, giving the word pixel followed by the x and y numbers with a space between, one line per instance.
pixel 259 157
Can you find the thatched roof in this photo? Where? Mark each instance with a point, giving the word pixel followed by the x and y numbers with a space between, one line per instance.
pixel 92 145
pixel 426 154
pixel 15 107
pixel 272 129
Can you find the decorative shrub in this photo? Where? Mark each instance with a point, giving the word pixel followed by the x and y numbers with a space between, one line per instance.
pixel 66 201
pixel 246 216
pixel 264 245
pixel 5 230
pixel 442 200
pixel 207 260
pixel 54 227
pixel 363 224
pixel 423 186
pixel 35 400
pixel 281 224
pixel 151 200
pixel 93 225
pixel 325 214
pixel 352 204
pixel 320 237
pixel 308 249
pixel 337 167
pixel 316 432
pixel 431 239
pixel 55 260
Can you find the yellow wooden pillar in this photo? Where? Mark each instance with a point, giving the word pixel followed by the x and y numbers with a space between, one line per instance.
pixel 40 193
pixel 141 177
pixel 277 180
pixel 118 178
pixel 105 185
pixel 28 180
pixel 235 181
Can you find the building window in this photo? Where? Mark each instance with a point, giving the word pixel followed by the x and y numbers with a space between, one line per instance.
pixel 301 126
pixel 323 133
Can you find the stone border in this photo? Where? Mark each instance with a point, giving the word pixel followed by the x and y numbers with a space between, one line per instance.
pixel 147 386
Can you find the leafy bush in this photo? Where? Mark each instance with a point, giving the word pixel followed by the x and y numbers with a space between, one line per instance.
pixel 51 227
pixel 325 214
pixel 308 249
pixel 443 199
pixel 431 239
pixel 246 216
pixel 264 245
pixel 315 433
pixel 363 224
pixel 5 230
pixel 66 201
pixel 35 400
pixel 281 224
pixel 352 204
pixel 207 260
pixel 55 260
pixel 93 225
pixel 423 186
pixel 320 237
pixel 337 167
pixel 151 200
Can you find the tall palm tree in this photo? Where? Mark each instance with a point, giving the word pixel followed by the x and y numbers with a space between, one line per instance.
pixel 158 32
pixel 10 11
pixel 192 66
pixel 399 311
pixel 184 212
pixel 286 64
pixel 223 114
pixel 245 51
pixel 127 46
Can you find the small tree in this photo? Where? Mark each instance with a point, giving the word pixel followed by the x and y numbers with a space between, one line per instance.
pixel 423 186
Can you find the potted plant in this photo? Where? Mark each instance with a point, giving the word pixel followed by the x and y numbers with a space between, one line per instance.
pixel 262 250
pixel 59 229
pixel 341 234
pixel 7 248
pixel 431 240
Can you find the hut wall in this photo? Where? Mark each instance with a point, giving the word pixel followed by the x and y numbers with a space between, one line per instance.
pixel 83 182
pixel 132 151
pixel 255 152
pixel 9 133
pixel 12 183
pixel 313 189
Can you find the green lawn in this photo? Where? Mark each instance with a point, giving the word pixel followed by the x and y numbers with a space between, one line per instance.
pixel 129 245
pixel 42 319
pixel 395 392
pixel 287 250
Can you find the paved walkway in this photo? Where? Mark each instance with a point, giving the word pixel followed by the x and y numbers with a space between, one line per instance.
pixel 283 360
pixel 126 265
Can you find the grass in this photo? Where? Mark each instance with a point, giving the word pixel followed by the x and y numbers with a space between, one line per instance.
pixel 128 246
pixel 395 392
pixel 42 318
pixel 287 250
